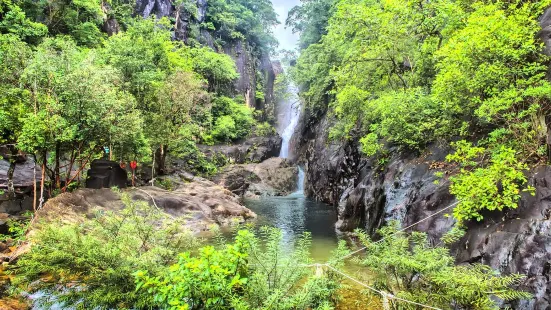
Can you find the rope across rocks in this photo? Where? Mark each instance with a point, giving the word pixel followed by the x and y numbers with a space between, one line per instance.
pixel 386 296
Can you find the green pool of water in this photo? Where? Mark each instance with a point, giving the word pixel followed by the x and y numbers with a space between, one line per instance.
pixel 296 214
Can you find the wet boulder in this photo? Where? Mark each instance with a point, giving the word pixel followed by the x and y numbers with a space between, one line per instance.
pixel 273 177
pixel 106 174
pixel 251 150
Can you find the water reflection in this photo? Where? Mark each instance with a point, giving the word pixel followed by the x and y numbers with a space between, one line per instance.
pixel 296 214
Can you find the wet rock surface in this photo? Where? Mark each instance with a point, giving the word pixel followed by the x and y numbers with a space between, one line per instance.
pixel 273 177
pixel 367 194
pixel 251 150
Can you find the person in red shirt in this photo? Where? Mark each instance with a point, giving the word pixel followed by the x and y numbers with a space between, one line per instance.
pixel 133 166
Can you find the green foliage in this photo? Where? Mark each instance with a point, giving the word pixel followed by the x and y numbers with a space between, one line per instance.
pixel 407 267
pixel 81 19
pixel 194 160
pixel 15 55
pixel 218 69
pixel 310 19
pixel 225 129
pixel 91 264
pixel 252 20
pixel 250 273
pixel 75 105
pixel 495 186
pixel 14 21
pixel 232 120
pixel 17 229
pixel 406 74
pixel 281 87
pixel 264 130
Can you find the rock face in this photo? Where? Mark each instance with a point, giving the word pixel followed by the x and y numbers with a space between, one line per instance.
pixel 368 194
pixel 251 150
pixel 23 179
pixel 273 177
pixel 106 174
pixel 248 63
pixel 200 202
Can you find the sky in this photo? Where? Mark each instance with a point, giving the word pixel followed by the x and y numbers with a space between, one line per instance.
pixel 287 39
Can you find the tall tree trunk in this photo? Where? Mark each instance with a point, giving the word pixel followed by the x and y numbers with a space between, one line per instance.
pixel 11 170
pixel 153 169
pixel 56 168
pixel 44 154
pixel 34 185
pixel 161 159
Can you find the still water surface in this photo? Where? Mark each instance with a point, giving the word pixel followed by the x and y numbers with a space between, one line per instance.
pixel 296 214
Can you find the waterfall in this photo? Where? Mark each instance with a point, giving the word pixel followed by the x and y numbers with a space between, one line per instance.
pixel 289 113
pixel 300 181
pixel 288 120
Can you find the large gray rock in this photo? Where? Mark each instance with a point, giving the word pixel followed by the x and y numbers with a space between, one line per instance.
pixel 23 180
pixel 251 150
pixel 545 33
pixel 273 177
pixel 199 202
pixel 106 174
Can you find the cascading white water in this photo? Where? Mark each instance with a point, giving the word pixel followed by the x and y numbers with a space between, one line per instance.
pixel 288 120
pixel 300 181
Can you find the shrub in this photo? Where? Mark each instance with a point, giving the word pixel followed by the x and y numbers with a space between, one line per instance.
pixel 264 129
pixel 232 120
pixel 407 267
pixel 225 129
pixel 91 265
pixel 492 186
pixel 250 273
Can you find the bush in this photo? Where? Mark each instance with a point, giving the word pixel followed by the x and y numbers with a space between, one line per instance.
pixel 493 186
pixel 407 267
pixel 91 265
pixel 218 69
pixel 250 273
pixel 232 120
pixel 264 130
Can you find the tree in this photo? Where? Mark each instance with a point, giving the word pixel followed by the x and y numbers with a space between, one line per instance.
pixel 250 20
pixel 179 99
pixel 77 108
pixel 310 19
pixel 218 69
pixel 13 20
pixel 13 102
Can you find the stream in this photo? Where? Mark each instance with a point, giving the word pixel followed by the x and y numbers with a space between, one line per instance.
pixel 296 214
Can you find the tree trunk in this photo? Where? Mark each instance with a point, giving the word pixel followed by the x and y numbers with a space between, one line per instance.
pixel 161 159
pixel 56 168
pixel 153 169
pixel 42 180
pixel 11 170
pixel 34 185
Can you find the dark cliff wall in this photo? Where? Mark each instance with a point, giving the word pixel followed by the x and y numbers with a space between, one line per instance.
pixel 368 194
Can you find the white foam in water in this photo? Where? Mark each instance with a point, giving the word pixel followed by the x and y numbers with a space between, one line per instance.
pixel 288 120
